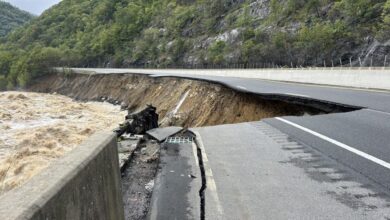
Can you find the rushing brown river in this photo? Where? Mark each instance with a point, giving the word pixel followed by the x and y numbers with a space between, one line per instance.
pixel 36 129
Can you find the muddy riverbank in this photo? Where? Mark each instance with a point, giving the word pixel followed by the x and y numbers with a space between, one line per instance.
pixel 180 102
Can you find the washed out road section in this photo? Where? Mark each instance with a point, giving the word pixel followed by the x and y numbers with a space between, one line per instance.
pixel 36 129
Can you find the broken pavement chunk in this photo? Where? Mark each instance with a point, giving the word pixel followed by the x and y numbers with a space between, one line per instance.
pixel 140 122
pixel 160 134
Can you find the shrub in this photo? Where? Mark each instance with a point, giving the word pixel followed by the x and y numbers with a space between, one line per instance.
pixel 216 52
pixel 3 82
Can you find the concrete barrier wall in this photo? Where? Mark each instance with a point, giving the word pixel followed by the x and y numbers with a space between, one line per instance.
pixel 369 78
pixel 84 184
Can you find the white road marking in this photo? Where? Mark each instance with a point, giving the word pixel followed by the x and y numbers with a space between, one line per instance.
pixel 195 152
pixel 242 87
pixel 325 86
pixel 211 186
pixel 377 111
pixel 344 146
pixel 294 94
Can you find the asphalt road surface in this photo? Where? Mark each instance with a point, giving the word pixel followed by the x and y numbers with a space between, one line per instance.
pixel 259 172
pixel 339 167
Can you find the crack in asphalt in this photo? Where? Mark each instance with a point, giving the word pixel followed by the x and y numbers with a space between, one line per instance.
pixel 204 181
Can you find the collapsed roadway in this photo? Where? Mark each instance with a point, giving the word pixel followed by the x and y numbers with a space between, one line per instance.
pixel 329 161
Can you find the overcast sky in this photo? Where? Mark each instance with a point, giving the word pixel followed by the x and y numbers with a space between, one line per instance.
pixel 33 6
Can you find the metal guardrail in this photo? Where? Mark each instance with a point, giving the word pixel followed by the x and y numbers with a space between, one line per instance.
pixel 69 69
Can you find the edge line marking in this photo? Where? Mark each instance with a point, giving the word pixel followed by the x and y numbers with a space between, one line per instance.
pixel 242 87
pixel 294 94
pixel 211 185
pixel 339 144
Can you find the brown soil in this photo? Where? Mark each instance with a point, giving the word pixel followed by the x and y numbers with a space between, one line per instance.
pixel 206 103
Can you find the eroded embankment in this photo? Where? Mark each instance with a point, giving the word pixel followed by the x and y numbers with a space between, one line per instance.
pixel 181 102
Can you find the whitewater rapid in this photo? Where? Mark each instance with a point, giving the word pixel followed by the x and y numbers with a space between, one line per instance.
pixel 36 129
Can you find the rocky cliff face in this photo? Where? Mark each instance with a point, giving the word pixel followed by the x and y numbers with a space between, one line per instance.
pixel 265 32
pixel 217 33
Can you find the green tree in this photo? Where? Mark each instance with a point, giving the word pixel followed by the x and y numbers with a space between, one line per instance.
pixel 216 52
pixel 6 59
pixel 385 26
pixel 3 83
pixel 248 51
pixel 245 19
pixel 320 40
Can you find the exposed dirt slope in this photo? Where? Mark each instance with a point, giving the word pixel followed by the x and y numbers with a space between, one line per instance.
pixel 181 102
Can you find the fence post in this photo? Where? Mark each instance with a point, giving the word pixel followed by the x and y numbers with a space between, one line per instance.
pixel 350 62
pixel 341 63
pixel 371 62
pixel 384 63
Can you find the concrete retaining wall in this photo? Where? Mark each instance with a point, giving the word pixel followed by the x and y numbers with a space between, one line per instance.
pixel 84 184
pixel 369 78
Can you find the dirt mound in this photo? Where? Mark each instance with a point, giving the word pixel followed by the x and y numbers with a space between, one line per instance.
pixel 35 129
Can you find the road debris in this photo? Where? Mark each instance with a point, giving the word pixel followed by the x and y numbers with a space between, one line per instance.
pixel 149 186
pixel 139 122
pixel 138 179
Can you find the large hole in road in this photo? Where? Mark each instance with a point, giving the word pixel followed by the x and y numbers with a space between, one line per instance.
pixel 181 102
